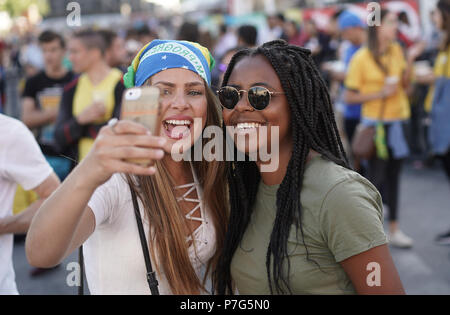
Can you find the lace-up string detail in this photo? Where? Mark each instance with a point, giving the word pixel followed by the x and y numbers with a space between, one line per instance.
pixel 201 237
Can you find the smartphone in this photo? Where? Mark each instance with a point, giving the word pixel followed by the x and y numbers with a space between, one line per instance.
pixel 142 105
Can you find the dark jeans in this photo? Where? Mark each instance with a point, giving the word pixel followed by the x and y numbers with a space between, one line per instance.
pixel 417 134
pixel 385 176
pixel 350 128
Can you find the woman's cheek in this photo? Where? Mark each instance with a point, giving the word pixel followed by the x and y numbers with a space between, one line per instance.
pixel 226 116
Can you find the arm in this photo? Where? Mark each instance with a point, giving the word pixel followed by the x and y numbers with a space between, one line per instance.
pixel 353 228
pixel 364 274
pixel 429 79
pixel 413 53
pixel 67 130
pixel 355 97
pixel 20 223
pixel 61 224
pixel 65 221
pixel 338 76
pixel 33 117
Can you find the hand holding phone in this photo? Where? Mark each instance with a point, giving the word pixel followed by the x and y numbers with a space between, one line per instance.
pixel 141 105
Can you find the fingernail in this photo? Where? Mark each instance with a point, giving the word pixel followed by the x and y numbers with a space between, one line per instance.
pixel 149 133
pixel 160 153
pixel 152 169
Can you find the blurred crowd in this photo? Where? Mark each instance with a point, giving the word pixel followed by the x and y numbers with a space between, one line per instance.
pixel 64 87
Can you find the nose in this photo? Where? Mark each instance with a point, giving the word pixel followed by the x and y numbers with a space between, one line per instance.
pixel 243 104
pixel 179 101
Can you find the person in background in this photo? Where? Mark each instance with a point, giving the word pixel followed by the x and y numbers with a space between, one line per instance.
pixel 30 57
pixel 90 100
pixel 145 35
pixel 2 79
pixel 226 41
pixel 40 105
pixel 439 98
pixel 329 43
pixel 442 72
pixel 317 42
pixel 247 36
pixel 189 32
pixel 274 29
pixel 42 96
pixel 293 33
pixel 40 100
pixel 353 30
pixel 21 162
pixel 378 77
pixel 219 71
pixel 115 54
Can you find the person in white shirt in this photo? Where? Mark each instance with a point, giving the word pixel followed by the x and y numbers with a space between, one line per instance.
pixel 183 204
pixel 21 162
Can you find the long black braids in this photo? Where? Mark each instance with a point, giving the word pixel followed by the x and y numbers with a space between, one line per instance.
pixel 313 127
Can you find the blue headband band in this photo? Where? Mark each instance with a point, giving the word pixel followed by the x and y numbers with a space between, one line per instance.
pixel 160 55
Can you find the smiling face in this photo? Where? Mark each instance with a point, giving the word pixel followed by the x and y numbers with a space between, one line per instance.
pixel 183 106
pixel 247 73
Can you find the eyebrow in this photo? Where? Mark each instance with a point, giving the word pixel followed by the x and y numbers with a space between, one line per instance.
pixel 263 84
pixel 190 84
pixel 254 84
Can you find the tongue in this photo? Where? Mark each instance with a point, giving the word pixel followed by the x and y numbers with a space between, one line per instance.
pixel 177 131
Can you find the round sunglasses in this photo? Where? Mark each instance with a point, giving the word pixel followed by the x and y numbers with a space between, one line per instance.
pixel 259 97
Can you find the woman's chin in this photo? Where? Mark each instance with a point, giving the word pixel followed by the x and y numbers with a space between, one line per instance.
pixel 248 149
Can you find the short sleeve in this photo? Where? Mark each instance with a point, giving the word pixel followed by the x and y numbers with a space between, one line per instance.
pixel 30 88
pixel 354 78
pixel 105 201
pixel 351 218
pixel 24 162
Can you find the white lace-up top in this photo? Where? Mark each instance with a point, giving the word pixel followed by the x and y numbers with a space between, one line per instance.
pixel 114 261
pixel 199 233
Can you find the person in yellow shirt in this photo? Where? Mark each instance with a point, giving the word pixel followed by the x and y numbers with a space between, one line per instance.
pixel 377 78
pixel 90 100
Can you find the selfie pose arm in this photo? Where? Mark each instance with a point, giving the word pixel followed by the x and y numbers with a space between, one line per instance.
pixel 65 221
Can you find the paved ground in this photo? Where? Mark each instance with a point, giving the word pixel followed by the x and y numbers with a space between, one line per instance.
pixel 425 211
pixel 424 269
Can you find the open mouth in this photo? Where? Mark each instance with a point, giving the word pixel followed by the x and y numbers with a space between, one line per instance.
pixel 245 127
pixel 177 129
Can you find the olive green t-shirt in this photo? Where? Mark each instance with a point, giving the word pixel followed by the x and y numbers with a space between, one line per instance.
pixel 341 217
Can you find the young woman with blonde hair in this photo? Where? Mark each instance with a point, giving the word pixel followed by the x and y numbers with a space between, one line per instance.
pixel 182 203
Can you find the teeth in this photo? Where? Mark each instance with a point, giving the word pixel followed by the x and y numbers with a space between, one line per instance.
pixel 247 125
pixel 179 122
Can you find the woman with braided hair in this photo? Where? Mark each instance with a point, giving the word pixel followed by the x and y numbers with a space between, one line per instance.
pixel 312 226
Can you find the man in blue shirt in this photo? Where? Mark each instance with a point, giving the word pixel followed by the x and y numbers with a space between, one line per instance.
pixel 352 30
